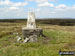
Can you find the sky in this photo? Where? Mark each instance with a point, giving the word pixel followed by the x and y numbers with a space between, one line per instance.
pixel 10 9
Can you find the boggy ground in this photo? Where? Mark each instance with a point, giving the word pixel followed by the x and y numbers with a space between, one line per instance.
pixel 58 37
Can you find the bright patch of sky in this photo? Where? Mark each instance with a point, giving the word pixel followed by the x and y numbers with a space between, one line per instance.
pixel 42 8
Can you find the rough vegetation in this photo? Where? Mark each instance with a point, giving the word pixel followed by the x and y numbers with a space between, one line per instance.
pixel 58 37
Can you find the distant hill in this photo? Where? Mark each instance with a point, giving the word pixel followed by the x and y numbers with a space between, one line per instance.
pixel 62 22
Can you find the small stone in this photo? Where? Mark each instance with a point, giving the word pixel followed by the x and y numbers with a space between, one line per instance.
pixel 26 40
pixel 33 38
pixel 18 38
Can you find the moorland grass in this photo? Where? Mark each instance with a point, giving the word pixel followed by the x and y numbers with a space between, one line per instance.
pixel 59 37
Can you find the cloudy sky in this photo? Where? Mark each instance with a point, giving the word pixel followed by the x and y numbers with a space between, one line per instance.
pixel 42 8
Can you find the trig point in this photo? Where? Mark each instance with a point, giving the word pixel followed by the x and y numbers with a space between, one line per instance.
pixel 31 21
pixel 30 32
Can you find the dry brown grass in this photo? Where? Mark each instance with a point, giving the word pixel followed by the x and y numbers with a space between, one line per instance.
pixel 60 37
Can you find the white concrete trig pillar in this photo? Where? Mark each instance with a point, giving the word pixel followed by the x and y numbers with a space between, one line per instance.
pixel 31 20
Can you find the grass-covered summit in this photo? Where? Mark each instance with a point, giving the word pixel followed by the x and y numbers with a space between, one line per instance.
pixel 58 37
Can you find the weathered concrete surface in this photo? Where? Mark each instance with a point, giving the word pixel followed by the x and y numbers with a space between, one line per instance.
pixel 32 34
pixel 31 21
